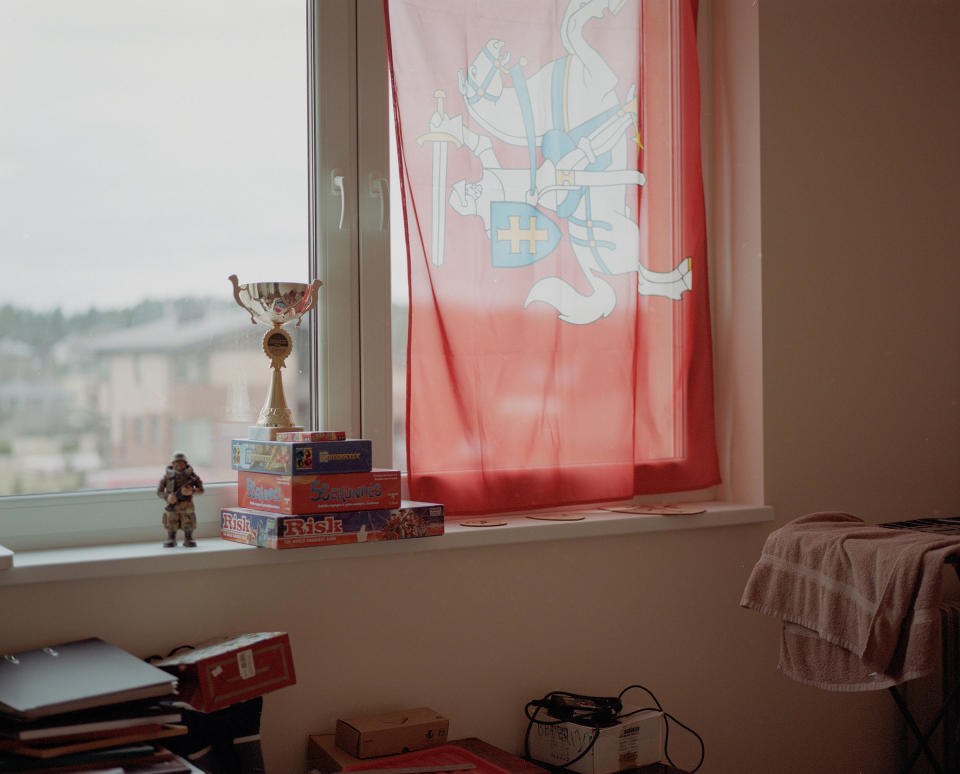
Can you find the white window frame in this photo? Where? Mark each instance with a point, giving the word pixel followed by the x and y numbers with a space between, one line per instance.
pixel 352 327
pixel 352 250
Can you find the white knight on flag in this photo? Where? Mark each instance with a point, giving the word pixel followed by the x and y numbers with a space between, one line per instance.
pixel 569 111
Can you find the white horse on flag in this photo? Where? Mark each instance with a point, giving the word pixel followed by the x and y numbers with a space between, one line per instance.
pixel 569 111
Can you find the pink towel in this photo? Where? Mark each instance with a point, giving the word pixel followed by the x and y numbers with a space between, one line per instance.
pixel 858 602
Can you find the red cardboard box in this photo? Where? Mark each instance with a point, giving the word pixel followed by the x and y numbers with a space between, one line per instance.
pixel 319 493
pixel 226 671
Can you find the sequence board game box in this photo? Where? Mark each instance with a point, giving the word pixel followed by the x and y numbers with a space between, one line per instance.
pixel 268 530
pixel 296 458
pixel 310 494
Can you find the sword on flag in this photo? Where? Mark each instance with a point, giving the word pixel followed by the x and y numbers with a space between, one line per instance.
pixel 440 142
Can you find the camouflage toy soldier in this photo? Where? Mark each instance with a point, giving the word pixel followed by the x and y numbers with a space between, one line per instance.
pixel 178 486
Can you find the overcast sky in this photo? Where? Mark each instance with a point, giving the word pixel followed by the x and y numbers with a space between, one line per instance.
pixel 150 148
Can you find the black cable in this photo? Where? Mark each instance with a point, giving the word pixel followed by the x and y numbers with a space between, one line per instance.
pixel 666 725
pixel 642 688
pixel 158 657
pixel 666 738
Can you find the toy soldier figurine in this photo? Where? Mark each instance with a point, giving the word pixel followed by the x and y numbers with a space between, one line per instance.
pixel 178 486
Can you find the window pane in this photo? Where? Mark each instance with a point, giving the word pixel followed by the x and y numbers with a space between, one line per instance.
pixel 148 150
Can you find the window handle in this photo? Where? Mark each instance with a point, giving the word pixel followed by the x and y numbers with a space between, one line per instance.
pixel 377 189
pixel 336 186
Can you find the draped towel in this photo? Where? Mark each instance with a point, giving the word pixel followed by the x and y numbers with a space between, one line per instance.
pixel 858 601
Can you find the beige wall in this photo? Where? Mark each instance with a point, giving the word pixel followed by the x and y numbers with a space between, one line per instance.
pixel 861 113
pixel 859 122
pixel 859 127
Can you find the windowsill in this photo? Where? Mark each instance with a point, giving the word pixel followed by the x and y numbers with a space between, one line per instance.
pixel 41 566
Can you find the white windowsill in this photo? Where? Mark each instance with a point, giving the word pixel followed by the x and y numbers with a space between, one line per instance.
pixel 41 566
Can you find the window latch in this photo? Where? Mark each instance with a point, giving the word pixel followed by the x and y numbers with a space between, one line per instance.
pixel 377 190
pixel 337 186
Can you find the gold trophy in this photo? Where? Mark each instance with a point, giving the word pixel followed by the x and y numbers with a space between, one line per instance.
pixel 274 304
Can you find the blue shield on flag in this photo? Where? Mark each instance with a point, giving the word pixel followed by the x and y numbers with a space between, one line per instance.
pixel 520 234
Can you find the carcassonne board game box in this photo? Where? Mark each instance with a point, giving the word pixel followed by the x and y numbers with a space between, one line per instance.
pixel 297 458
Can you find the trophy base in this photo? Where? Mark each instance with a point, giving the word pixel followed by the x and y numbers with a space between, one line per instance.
pixel 260 433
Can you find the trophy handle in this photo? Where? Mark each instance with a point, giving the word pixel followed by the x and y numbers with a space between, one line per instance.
pixel 312 302
pixel 236 297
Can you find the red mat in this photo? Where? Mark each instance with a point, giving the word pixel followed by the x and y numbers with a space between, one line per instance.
pixel 433 756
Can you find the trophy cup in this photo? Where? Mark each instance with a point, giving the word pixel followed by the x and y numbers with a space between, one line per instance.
pixel 274 304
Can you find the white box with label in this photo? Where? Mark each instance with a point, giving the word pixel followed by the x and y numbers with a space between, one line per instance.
pixel 633 741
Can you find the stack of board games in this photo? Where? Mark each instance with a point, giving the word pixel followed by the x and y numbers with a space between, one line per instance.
pixel 316 488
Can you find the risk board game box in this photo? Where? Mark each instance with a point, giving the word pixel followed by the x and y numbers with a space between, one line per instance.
pixel 218 673
pixel 269 530
pixel 313 493
pixel 296 458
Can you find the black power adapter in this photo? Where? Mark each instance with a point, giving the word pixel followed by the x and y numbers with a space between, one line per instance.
pixel 590 710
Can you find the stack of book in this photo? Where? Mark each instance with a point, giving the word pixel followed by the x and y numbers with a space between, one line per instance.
pixel 314 488
pixel 87 705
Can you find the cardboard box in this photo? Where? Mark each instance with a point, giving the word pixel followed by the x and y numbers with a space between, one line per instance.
pixel 391 733
pixel 274 530
pixel 312 435
pixel 319 493
pixel 221 672
pixel 297 458
pixel 635 741
pixel 324 755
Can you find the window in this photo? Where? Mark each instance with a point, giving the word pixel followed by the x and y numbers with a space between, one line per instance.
pixel 147 152
pixel 353 350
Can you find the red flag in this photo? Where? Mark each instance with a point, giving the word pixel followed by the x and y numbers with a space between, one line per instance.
pixel 559 343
